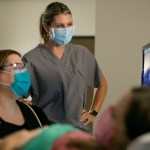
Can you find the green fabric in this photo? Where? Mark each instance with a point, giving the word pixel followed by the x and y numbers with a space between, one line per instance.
pixel 48 135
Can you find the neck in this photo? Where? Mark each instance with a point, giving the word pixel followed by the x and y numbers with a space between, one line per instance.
pixel 7 103
pixel 58 50
pixel 10 111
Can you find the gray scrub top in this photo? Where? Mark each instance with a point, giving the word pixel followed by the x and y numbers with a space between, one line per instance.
pixel 59 87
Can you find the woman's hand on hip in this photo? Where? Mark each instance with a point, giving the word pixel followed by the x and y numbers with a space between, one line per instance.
pixel 86 117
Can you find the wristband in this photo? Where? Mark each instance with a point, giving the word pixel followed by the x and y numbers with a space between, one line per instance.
pixel 93 112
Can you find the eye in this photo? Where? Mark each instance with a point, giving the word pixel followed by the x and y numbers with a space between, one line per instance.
pixel 70 24
pixel 19 67
pixel 60 26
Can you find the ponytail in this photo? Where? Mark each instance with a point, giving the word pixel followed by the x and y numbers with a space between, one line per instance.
pixel 43 33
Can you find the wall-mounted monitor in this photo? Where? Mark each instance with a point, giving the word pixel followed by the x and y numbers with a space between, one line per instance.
pixel 146 65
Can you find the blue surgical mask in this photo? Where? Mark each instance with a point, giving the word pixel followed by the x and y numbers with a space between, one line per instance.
pixel 62 36
pixel 21 84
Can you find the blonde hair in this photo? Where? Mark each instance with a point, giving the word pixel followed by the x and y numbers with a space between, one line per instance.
pixel 47 17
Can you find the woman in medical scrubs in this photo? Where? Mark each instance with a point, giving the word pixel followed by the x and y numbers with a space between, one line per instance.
pixel 62 71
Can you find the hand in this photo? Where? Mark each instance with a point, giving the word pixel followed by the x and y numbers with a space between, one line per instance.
pixel 17 139
pixel 87 117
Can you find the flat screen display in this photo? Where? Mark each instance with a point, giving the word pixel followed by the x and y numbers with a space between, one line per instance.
pixel 146 65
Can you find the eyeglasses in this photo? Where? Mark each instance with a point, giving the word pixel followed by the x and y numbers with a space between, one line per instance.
pixel 15 67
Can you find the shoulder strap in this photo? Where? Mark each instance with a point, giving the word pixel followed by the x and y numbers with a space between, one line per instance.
pixel 34 113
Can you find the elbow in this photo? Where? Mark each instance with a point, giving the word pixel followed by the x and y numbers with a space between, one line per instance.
pixel 104 84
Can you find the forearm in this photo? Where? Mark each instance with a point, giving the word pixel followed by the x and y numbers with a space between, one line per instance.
pixel 99 96
pixel 96 104
pixel 17 139
pixel 5 145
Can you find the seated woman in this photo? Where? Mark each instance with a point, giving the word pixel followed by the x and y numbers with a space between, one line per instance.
pixel 15 83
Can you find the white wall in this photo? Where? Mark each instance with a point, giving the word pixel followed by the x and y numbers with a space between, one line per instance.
pixel 122 28
pixel 19 21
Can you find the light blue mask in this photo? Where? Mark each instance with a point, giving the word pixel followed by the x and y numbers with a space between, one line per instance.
pixel 62 36
pixel 22 83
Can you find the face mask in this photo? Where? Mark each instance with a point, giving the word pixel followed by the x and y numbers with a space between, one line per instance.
pixel 21 84
pixel 62 36
pixel 103 129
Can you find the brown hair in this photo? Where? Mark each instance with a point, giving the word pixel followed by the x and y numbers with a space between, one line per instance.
pixel 5 53
pixel 137 118
pixel 48 15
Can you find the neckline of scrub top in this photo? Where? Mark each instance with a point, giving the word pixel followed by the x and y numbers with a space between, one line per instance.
pixel 64 57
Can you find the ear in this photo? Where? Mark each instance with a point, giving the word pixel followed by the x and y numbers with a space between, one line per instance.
pixel 46 28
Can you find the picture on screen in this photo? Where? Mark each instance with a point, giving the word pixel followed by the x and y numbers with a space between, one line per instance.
pixel 146 65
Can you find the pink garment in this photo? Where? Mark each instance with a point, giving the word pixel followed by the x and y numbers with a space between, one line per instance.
pixel 61 142
pixel 103 129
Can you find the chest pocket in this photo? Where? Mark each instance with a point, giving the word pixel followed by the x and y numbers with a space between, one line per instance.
pixel 79 76
pixel 81 81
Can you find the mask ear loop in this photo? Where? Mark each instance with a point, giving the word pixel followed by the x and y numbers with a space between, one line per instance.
pixel 51 33
pixel 5 84
pixel 5 72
